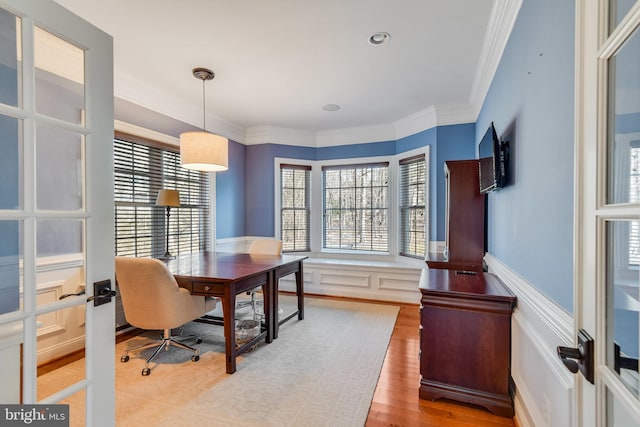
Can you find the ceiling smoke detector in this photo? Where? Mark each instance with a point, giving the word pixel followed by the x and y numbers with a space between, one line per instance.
pixel 379 38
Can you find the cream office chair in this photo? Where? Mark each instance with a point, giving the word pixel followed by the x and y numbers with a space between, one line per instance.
pixel 152 299
pixel 260 247
pixel 266 247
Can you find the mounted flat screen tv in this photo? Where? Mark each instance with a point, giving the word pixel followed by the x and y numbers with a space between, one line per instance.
pixel 491 161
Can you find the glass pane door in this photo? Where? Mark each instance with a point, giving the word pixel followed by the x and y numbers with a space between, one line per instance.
pixel 56 150
pixel 618 382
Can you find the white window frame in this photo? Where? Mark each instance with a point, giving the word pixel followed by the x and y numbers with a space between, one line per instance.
pixel 355 163
pixel 315 207
pixel 278 195
pixel 414 153
pixel 280 209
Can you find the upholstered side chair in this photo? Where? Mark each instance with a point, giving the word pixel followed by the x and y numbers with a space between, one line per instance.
pixel 260 246
pixel 152 300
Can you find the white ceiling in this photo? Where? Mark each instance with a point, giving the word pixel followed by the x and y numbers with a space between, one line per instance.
pixel 277 62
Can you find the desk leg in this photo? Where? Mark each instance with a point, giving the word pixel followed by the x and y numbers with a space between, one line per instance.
pixel 274 304
pixel 300 294
pixel 267 294
pixel 300 291
pixel 229 315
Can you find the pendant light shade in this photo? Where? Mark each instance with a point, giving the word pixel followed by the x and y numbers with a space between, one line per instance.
pixel 204 151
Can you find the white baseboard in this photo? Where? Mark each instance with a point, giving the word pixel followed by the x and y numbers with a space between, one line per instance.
pixel 545 390
pixel 61 349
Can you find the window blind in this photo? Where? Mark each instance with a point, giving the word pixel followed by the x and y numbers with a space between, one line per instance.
pixel 295 201
pixel 413 206
pixel 355 207
pixel 140 171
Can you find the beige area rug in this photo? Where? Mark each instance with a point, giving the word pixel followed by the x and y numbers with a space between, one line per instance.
pixel 321 371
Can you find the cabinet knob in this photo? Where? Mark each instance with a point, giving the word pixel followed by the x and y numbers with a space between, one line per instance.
pixel 206 288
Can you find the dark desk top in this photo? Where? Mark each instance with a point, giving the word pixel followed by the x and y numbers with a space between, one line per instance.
pixel 225 266
pixel 462 283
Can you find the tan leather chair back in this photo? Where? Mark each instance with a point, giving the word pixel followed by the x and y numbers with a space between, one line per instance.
pixel 151 297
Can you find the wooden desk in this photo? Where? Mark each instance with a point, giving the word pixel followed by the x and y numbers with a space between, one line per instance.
pixel 465 338
pixel 225 275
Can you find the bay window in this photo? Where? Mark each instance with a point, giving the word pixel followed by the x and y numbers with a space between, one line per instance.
pixel 357 207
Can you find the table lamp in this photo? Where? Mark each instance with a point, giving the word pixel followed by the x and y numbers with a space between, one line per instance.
pixel 169 199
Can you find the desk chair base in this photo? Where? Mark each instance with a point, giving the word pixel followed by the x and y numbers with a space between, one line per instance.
pixel 167 341
pixel 251 302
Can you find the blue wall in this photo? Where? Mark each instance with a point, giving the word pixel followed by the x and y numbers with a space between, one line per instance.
pixel 452 145
pixel 230 190
pixel 530 222
pixel 260 193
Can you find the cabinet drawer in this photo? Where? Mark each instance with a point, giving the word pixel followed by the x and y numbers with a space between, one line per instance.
pixel 208 288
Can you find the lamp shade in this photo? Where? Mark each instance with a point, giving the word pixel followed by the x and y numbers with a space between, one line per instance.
pixel 204 151
pixel 168 198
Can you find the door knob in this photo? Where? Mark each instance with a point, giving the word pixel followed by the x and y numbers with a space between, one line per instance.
pixel 102 293
pixel 569 355
pixel 579 358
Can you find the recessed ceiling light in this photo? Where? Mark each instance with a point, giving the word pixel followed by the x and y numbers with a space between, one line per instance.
pixel 379 38
pixel 331 107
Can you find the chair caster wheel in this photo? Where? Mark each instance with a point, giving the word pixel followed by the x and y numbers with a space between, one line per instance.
pixel 198 340
pixel 146 372
pixel 124 358
pixel 195 358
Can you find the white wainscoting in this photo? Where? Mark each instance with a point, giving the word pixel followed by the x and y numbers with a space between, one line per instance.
pixel 10 340
pixel 62 331
pixel 545 389
pixel 362 279
pixel 376 278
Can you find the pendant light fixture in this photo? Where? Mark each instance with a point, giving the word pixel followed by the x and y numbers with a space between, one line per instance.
pixel 204 151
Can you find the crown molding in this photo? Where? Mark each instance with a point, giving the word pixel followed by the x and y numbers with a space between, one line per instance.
pixel 356 135
pixel 455 114
pixel 501 21
pixel 286 136
pixel 279 135
pixel 427 118
pixel 145 133
pixel 416 122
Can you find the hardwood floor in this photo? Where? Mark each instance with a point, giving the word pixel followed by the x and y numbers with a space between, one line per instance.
pixel 396 402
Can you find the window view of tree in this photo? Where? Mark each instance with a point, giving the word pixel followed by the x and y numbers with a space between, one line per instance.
pixel 140 171
pixel 355 207
pixel 295 205
pixel 413 207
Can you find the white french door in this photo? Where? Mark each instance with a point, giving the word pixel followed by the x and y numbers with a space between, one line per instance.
pixel 56 206
pixel 608 207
